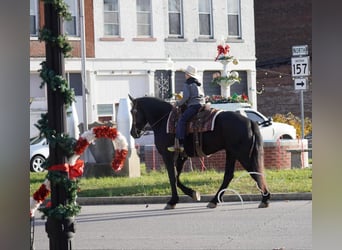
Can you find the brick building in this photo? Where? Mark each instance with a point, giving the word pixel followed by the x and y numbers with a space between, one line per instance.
pixel 279 25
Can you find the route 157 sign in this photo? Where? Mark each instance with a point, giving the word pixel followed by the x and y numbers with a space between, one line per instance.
pixel 300 66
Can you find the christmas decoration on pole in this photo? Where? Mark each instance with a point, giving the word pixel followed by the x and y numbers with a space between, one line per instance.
pixel 60 222
pixel 226 78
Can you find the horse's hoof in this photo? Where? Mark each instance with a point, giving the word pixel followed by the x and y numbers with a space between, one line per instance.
pixel 211 205
pixel 169 206
pixel 196 196
pixel 263 204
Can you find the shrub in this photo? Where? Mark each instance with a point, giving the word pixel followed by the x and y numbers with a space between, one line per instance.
pixel 295 121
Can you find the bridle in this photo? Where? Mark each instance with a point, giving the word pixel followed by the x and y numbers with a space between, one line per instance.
pixel 134 123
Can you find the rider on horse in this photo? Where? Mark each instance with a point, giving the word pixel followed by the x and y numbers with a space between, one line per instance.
pixel 193 99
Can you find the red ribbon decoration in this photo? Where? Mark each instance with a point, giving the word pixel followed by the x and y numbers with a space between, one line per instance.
pixel 74 170
pixel 222 50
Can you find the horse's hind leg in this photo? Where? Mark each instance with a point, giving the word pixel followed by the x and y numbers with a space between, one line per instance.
pixel 258 175
pixel 188 191
pixel 228 176
pixel 261 183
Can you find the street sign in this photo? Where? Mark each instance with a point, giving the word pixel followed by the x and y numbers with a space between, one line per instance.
pixel 300 50
pixel 300 83
pixel 300 66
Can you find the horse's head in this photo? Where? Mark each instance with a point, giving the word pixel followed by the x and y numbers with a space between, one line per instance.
pixel 139 121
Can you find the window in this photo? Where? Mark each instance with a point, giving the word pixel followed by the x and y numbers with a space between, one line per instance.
pixel 233 14
pixel 205 18
pixel 75 82
pixel 144 17
pixel 105 112
pixel 175 18
pixel 111 18
pixel 33 17
pixel 71 26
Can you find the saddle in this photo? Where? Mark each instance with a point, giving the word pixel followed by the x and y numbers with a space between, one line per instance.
pixel 203 121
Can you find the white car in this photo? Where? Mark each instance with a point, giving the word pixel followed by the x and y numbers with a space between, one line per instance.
pixel 269 129
pixel 39 147
pixel 39 152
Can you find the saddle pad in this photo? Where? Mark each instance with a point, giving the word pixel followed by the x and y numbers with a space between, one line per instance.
pixel 202 122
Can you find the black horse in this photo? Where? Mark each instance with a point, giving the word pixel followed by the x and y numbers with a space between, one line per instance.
pixel 234 133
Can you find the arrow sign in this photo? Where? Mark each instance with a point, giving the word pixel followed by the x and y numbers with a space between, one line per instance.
pixel 300 83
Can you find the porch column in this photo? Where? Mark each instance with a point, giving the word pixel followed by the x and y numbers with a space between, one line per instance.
pixel 251 86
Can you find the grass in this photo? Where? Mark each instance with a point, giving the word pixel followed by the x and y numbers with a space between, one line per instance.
pixel 155 183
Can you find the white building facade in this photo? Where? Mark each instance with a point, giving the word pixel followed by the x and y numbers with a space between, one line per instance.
pixel 141 47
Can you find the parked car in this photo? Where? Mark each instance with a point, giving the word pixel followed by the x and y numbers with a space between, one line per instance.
pixel 39 152
pixel 269 129
pixel 39 147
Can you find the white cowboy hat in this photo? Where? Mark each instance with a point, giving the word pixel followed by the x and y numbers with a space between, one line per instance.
pixel 191 71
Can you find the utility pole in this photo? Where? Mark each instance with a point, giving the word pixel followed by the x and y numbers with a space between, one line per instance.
pixel 60 231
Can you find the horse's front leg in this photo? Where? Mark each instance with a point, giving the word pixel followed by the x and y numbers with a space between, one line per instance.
pixel 188 191
pixel 171 170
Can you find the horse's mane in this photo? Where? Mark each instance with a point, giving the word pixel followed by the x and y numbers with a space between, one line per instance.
pixel 153 103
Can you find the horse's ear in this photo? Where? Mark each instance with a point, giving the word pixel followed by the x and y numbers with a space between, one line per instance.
pixel 130 97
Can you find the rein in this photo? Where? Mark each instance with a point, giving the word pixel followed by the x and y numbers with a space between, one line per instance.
pixel 134 112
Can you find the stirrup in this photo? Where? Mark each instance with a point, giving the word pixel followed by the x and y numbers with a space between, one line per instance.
pixel 178 149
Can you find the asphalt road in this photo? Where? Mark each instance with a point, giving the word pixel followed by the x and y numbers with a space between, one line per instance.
pixel 286 224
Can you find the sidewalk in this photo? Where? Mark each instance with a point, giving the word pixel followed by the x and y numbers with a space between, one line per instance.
pixel 184 199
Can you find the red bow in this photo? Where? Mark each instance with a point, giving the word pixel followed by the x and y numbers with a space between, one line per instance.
pixel 74 170
pixel 222 50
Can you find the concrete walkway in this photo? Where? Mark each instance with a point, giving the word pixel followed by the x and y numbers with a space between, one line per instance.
pixel 204 198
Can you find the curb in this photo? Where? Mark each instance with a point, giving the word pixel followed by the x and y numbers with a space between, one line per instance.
pixel 183 199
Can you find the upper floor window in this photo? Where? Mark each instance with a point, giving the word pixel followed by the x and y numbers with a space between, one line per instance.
pixel 233 13
pixel 144 18
pixel 71 26
pixel 205 18
pixel 111 18
pixel 33 17
pixel 175 18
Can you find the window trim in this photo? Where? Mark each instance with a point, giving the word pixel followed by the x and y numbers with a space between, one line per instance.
pixel 211 26
pixel 239 35
pixel 36 17
pixel 181 21
pixel 150 24
pixel 77 18
pixel 118 24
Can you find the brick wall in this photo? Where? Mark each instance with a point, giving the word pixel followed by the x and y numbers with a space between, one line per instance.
pixel 280 24
pixel 276 156
pixel 37 48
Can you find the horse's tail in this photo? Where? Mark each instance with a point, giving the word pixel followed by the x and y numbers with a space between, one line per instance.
pixel 257 149
pixel 257 164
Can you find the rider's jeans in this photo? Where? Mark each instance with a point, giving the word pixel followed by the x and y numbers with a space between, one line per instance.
pixel 185 117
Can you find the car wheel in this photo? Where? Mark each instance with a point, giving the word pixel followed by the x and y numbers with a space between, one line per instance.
pixel 36 163
pixel 285 137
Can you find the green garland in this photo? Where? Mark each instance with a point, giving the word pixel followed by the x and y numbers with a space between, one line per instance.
pixel 217 80
pixel 61 7
pixel 56 82
pixel 63 141
pixel 60 41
